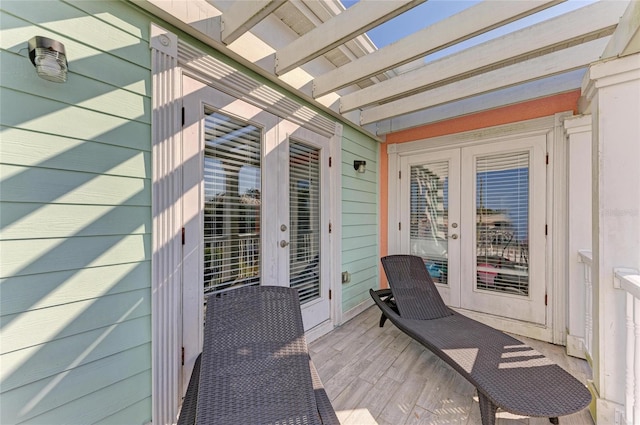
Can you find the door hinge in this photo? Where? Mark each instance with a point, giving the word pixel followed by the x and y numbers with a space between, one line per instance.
pixel 330 227
pixel 547 160
pixel 399 226
pixel 546 230
pixel 183 116
pixel 400 174
pixel 183 236
pixel 330 159
pixel 182 356
pixel 545 299
pixel 329 293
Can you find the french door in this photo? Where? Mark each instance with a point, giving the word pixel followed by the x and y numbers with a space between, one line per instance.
pixel 256 190
pixel 476 216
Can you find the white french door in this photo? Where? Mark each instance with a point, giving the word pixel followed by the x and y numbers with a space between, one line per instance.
pixel 255 190
pixel 477 217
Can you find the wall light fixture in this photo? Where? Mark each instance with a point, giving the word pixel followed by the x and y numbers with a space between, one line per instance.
pixel 49 58
pixel 359 165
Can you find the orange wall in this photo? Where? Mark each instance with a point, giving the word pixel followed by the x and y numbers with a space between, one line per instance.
pixel 509 114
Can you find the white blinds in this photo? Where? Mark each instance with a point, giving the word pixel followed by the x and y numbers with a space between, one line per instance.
pixel 429 216
pixel 502 222
pixel 232 203
pixel 304 209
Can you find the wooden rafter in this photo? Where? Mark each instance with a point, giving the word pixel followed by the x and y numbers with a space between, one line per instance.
pixel 529 70
pixel 334 32
pixel 588 22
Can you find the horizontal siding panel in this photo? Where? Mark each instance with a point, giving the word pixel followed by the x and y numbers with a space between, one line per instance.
pixel 77 25
pixel 357 264
pixel 51 117
pixel 354 150
pixel 138 413
pixel 353 195
pixel 360 184
pixel 23 257
pixel 349 303
pixel 360 230
pixel 349 207
pixel 31 364
pixel 360 285
pixel 85 60
pixel 27 148
pixel 39 221
pixel 41 185
pixel 116 14
pixel 37 291
pixel 363 252
pixel 32 328
pixel 349 244
pixel 29 401
pixel 87 92
pixel 104 403
pixel 359 219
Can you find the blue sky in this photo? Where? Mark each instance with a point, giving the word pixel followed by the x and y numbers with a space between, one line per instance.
pixel 434 10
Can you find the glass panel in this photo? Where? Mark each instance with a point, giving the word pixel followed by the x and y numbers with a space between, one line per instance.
pixel 304 203
pixel 502 223
pixel 232 203
pixel 429 217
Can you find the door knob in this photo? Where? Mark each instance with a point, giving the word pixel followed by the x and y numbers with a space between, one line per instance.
pixel 283 243
pixel 454 236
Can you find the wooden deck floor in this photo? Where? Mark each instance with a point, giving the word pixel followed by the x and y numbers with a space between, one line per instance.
pixel 380 376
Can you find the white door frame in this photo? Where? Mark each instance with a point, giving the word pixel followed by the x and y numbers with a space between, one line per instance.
pixel 551 128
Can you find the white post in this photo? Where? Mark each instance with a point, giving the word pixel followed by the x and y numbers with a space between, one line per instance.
pixel 578 133
pixel 612 90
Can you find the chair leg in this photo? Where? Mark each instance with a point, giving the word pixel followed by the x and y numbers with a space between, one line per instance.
pixel 554 421
pixel 487 410
pixel 383 319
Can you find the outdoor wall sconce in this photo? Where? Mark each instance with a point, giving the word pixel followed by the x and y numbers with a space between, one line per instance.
pixel 49 58
pixel 359 165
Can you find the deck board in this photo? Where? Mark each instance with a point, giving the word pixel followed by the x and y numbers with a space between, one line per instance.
pixel 380 376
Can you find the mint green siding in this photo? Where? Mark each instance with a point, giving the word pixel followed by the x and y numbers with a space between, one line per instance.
pixel 75 217
pixel 360 221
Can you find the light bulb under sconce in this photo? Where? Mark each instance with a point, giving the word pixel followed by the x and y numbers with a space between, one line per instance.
pixel 49 58
pixel 359 165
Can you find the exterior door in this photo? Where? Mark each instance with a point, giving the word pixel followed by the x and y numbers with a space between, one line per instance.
pixel 255 207
pixel 476 215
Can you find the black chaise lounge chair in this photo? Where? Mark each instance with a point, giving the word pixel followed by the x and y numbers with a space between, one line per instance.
pixel 255 366
pixel 506 373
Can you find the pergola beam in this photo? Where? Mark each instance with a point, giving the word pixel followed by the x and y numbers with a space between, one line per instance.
pixel 347 25
pixel 587 21
pixel 543 66
pixel 626 39
pixel 244 15
pixel 473 21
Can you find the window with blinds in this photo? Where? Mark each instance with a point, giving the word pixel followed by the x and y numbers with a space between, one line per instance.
pixel 502 223
pixel 304 210
pixel 429 216
pixel 232 203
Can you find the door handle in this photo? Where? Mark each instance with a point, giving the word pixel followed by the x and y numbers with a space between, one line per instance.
pixel 454 236
pixel 283 243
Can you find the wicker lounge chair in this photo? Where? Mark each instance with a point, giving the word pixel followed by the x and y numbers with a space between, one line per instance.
pixel 506 373
pixel 255 367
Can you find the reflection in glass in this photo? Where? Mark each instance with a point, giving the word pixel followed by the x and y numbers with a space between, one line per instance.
pixel 502 223
pixel 429 217
pixel 231 203
pixel 304 206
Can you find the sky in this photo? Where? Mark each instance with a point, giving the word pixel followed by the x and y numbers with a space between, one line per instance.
pixel 432 11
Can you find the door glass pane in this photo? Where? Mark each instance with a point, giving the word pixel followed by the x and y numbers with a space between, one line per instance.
pixel 502 223
pixel 304 210
pixel 429 216
pixel 232 203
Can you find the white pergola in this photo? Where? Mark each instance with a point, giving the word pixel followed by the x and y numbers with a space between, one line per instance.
pixel 320 50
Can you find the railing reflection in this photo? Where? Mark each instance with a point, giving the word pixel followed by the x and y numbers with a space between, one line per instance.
pixel 231 261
